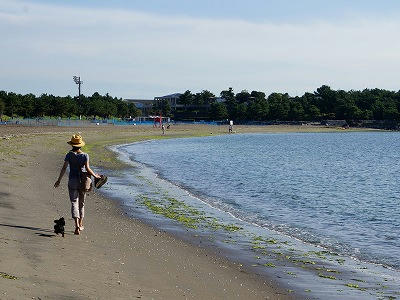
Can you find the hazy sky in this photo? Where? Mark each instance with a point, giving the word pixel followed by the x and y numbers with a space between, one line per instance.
pixel 147 48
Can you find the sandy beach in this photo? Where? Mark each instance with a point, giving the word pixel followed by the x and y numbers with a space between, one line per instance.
pixel 115 257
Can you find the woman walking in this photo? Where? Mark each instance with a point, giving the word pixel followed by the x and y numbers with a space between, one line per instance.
pixel 79 168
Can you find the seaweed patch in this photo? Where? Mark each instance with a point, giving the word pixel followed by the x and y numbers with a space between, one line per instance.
pixel 187 215
pixel 8 276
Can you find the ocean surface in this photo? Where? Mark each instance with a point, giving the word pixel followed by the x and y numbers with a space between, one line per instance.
pixel 336 192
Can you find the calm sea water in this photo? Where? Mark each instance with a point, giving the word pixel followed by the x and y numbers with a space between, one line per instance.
pixel 337 190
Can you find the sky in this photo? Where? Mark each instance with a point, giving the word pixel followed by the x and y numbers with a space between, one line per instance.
pixel 148 48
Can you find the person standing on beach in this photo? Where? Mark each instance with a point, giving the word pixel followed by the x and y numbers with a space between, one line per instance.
pixel 230 129
pixel 78 162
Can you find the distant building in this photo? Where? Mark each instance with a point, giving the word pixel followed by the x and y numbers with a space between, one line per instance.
pixel 172 100
pixel 179 110
pixel 145 105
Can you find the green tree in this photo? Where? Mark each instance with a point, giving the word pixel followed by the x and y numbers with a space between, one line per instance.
pixel 346 107
pixel 230 102
pixel 186 99
pixel 242 111
pixel 40 106
pixel 326 98
pixel 218 111
pixel 2 107
pixel 278 106
pixel 165 108
pixel 123 110
pixel 133 111
pixel 162 107
pixel 207 97
pixel 313 113
pixel 12 104
pixel 296 111
pixel 110 109
pixel 385 109
pixel 243 96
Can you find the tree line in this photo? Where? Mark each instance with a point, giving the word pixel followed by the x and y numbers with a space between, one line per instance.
pixel 325 103
pixel 31 106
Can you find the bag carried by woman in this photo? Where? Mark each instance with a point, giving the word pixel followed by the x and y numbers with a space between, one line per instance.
pixel 86 182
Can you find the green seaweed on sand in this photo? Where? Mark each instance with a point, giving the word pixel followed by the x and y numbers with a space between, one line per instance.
pixel 332 271
pixel 190 217
pixel 270 265
pixel 258 247
pixel 174 210
pixel 352 285
pixel 359 280
pixel 326 276
pixel 8 276
pixel 327 270
pixel 259 239
pixel 271 241
pixel 304 262
pixel 231 227
pixel 214 224
pixel 319 254
pixel 355 286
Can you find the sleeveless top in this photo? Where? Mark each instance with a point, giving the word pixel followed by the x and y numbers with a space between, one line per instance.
pixel 76 163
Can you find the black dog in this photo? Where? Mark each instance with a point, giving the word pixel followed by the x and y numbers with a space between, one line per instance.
pixel 59 227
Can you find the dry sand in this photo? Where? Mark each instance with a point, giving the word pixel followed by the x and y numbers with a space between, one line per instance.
pixel 115 257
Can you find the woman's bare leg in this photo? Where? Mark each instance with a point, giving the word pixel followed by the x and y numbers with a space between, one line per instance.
pixel 82 196
pixel 81 224
pixel 77 231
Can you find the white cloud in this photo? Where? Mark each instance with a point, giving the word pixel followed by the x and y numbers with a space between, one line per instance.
pixel 133 54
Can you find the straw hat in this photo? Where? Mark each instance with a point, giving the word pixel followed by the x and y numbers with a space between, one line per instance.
pixel 76 141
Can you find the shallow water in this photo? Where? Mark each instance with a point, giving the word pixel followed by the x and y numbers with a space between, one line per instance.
pixel 294 195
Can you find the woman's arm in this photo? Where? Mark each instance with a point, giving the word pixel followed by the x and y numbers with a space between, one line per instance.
pixel 90 171
pixel 62 172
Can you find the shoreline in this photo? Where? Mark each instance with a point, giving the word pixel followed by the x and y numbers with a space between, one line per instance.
pixel 101 210
pixel 115 256
pixel 328 264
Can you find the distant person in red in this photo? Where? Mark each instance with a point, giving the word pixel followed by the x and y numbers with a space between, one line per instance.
pixel 157 120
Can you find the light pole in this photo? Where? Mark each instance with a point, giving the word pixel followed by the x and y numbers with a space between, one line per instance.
pixel 77 80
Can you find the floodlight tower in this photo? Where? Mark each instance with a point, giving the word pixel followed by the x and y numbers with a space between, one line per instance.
pixel 77 80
